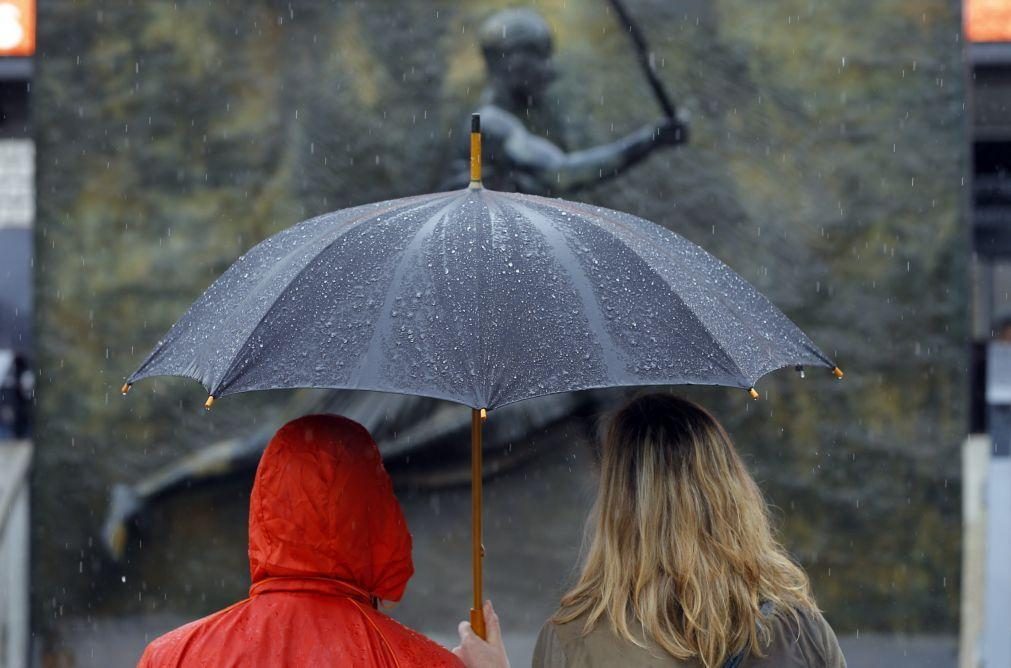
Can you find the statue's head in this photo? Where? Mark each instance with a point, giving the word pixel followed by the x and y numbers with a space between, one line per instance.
pixel 517 49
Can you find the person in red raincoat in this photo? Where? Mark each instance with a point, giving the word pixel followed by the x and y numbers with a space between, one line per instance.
pixel 327 542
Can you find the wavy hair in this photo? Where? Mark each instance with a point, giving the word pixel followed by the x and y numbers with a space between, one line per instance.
pixel 681 539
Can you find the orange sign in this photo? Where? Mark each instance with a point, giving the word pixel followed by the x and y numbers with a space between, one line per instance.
pixel 986 20
pixel 17 27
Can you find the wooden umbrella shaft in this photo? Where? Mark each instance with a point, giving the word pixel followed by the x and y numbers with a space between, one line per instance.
pixel 477 416
pixel 477 550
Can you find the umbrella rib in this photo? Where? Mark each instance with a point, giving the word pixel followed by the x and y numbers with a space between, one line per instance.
pixel 398 274
pixel 482 299
pixel 495 385
pixel 570 264
pixel 345 229
pixel 609 223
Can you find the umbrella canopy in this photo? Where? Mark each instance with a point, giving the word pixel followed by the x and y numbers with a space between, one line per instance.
pixel 479 297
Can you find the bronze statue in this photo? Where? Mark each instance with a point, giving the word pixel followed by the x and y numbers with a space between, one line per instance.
pixel 517 47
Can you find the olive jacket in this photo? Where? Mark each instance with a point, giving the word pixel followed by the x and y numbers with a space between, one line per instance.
pixel 804 641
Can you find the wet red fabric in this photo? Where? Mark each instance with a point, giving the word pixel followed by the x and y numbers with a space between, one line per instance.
pixel 327 538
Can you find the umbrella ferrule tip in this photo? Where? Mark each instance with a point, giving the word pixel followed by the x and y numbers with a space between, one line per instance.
pixel 475 151
pixel 209 402
pixel 753 393
pixel 837 372
pixel 484 413
pixel 126 388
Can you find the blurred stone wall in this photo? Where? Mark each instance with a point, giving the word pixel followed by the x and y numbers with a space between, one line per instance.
pixel 826 166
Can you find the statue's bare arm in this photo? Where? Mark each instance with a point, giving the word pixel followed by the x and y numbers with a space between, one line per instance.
pixel 552 169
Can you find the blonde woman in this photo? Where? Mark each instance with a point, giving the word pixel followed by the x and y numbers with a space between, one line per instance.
pixel 683 569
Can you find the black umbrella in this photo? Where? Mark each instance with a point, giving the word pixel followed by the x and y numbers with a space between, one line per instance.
pixel 479 297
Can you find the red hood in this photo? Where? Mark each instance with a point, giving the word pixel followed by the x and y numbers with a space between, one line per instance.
pixel 323 507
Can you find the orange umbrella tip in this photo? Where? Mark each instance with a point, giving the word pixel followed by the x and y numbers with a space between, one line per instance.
pixel 126 388
pixel 209 402
pixel 484 413
pixel 753 393
pixel 837 372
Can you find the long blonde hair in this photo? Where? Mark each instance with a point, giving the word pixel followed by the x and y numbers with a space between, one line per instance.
pixel 682 541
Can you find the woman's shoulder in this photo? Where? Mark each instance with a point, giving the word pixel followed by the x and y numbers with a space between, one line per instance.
pixel 798 639
pixel 801 637
pixel 570 644
pixel 565 632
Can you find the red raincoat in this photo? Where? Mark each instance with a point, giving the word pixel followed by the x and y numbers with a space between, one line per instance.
pixel 327 539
